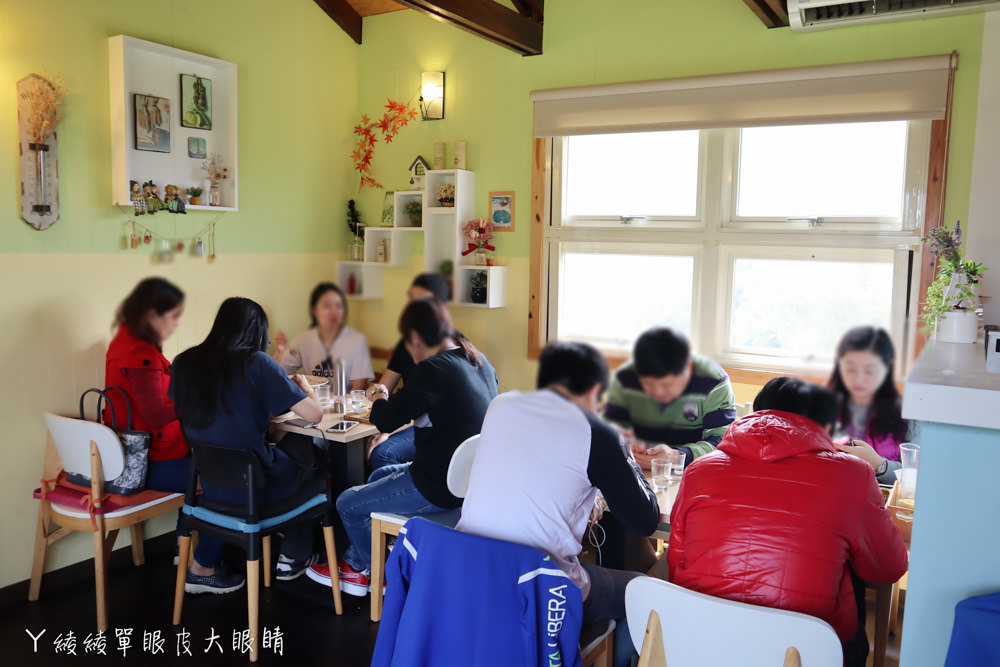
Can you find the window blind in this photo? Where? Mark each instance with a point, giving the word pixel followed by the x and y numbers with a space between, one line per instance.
pixel 903 89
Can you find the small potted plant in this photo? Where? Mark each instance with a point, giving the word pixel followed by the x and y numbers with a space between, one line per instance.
pixel 477 282
pixel 949 313
pixel 194 195
pixel 446 194
pixel 413 209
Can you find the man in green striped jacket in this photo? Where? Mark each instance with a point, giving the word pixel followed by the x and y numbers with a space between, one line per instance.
pixel 667 395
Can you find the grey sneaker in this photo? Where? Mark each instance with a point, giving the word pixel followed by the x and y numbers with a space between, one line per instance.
pixel 219 581
pixel 289 569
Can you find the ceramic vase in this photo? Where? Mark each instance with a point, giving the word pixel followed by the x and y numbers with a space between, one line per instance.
pixel 957 326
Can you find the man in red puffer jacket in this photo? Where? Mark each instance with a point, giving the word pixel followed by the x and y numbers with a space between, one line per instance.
pixel 777 516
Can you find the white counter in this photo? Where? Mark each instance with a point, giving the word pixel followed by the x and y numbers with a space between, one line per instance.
pixel 949 385
pixel 953 553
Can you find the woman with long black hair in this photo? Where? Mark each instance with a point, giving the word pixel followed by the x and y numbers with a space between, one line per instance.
pixel 225 391
pixel 446 396
pixel 870 423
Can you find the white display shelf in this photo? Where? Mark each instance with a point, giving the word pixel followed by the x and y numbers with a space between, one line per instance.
pixel 367 279
pixel 443 242
pixel 147 68
pixel 496 286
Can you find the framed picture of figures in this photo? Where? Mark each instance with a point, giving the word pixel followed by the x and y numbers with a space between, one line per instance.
pixel 152 123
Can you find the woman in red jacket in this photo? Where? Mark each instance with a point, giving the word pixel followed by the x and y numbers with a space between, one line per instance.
pixel 135 362
pixel 778 517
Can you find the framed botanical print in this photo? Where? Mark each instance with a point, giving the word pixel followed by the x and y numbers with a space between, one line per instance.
pixel 502 211
pixel 196 102
pixel 152 123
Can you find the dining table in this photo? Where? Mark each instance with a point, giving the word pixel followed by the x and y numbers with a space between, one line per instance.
pixel 353 439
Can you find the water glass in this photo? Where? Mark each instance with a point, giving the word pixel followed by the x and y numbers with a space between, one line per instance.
pixel 661 474
pixel 358 400
pixel 909 456
pixel 323 394
pixel 677 461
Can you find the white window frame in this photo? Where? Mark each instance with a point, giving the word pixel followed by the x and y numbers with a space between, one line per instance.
pixel 719 236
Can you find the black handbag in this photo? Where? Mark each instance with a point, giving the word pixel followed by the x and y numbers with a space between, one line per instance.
pixel 135 448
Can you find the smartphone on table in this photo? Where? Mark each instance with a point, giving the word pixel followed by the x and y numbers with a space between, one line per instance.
pixel 301 423
pixel 341 426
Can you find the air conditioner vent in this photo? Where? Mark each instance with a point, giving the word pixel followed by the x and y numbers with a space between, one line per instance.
pixel 807 15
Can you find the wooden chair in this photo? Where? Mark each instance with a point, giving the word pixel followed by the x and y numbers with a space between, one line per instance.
pixel 93 450
pixel 902 516
pixel 247 526
pixel 693 623
pixel 386 524
pixel 597 643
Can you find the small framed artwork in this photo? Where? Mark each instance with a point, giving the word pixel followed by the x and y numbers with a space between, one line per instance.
pixel 388 209
pixel 197 148
pixel 196 102
pixel 502 211
pixel 152 123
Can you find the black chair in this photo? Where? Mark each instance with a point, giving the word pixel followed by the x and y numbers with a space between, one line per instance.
pixel 244 525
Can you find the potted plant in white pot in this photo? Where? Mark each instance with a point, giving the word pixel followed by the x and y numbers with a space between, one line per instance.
pixel 949 312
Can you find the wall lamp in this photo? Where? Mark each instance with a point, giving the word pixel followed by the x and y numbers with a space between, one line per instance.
pixel 432 95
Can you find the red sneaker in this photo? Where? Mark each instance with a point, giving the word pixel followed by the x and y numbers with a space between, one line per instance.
pixel 320 574
pixel 352 582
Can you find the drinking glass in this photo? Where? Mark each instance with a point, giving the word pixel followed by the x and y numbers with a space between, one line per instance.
pixel 909 456
pixel 323 394
pixel 661 474
pixel 359 400
pixel 676 458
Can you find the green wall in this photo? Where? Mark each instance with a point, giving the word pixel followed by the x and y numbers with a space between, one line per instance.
pixel 297 77
pixel 594 42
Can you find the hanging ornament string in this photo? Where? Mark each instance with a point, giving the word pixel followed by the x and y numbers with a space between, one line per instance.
pixel 148 234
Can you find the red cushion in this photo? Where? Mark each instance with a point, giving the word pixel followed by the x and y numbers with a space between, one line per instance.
pixel 71 497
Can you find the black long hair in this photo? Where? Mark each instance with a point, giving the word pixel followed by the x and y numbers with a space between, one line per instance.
pixel 204 372
pixel 156 294
pixel 432 323
pixel 887 405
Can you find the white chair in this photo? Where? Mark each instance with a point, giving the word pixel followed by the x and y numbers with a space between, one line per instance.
pixel 93 450
pixel 385 524
pixel 693 624
pixel 743 409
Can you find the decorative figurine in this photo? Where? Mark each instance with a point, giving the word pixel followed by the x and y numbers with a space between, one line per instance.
pixel 152 194
pixel 135 194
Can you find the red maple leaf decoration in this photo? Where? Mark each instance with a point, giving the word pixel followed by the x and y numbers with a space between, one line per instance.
pixel 396 117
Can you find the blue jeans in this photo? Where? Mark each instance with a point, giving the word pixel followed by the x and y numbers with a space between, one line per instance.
pixel 398 448
pixel 172 476
pixel 390 489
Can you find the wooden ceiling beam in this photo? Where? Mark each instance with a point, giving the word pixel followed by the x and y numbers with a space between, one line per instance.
pixel 772 13
pixel 530 8
pixel 344 15
pixel 487 19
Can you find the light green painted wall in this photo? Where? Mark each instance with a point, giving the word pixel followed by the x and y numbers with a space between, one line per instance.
pixel 594 42
pixel 297 77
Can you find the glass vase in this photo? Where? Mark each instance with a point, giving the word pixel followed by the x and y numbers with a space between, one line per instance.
pixel 214 196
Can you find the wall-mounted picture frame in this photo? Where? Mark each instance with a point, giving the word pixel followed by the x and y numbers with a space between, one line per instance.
pixel 389 209
pixel 196 102
pixel 152 123
pixel 502 211
pixel 197 148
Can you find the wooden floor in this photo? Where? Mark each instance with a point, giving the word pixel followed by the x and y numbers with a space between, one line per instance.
pixel 141 600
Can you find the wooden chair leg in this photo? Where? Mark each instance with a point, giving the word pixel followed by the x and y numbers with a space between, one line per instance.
pixel 253 604
pixel 331 558
pixel 792 657
pixel 266 549
pixel 183 553
pixel 883 594
pixel 378 568
pixel 651 654
pixel 138 548
pixel 38 560
pixel 109 546
pixel 100 575
pixel 894 608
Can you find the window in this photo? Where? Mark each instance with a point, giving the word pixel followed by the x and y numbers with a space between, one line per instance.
pixel 763 244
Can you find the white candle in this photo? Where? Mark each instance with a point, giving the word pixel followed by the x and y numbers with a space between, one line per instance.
pixel 460 152
pixel 438 155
